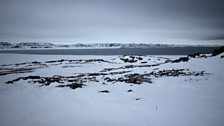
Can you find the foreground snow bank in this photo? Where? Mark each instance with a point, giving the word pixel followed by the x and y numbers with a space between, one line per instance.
pixel 167 101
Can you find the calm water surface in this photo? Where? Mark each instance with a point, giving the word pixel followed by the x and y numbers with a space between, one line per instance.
pixel 119 51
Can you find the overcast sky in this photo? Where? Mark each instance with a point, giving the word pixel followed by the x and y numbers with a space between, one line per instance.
pixel 112 20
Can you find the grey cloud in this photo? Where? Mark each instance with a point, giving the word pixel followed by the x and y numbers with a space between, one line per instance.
pixel 111 20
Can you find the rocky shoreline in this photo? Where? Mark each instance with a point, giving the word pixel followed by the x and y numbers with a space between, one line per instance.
pixel 125 73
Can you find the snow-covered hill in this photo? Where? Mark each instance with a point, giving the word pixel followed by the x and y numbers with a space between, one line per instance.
pixel 41 45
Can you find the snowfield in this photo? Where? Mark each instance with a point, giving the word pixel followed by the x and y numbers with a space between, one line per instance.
pixel 56 90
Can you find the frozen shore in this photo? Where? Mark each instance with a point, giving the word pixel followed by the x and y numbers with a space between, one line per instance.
pixel 129 90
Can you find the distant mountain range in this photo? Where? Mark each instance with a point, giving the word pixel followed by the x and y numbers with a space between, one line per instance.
pixel 41 45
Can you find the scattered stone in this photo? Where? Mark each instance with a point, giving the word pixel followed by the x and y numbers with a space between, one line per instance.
pixel 131 66
pixel 80 61
pixel 50 61
pixel 104 91
pixel 6 71
pixel 168 61
pixel 181 59
pixel 139 58
pixel 129 90
pixel 129 61
pixel 78 80
pixel 176 73
pixel 107 69
pixel 120 72
pixel 194 55
pixel 197 55
pixel 26 67
pixel 137 99
pixel 137 79
pixel 73 80
pixel 72 86
pixel 96 74
pixel 131 58
pixel 9 82
pixel 109 79
pixel 31 77
pixel 36 62
pixel 130 78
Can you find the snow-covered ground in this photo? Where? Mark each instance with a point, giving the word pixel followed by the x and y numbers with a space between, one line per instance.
pixel 190 100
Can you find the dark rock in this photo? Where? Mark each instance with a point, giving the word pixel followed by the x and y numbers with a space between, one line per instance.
pixel 73 80
pixel 50 61
pixel 16 46
pixel 124 60
pixel 72 86
pixel 9 82
pixel 109 79
pixel 131 59
pixel 176 73
pixel 104 91
pixel 36 62
pixel 130 78
pixel 197 74
pixel 31 77
pixel 136 79
pixel 15 80
pixel 107 69
pixel 6 71
pixel 218 51
pixel 168 61
pixel 194 55
pixel 62 60
pixel 139 58
pixel 181 59
pixel 137 99
pixel 121 79
pixel 129 90
pixel 96 74
pixel 121 72
pixel 128 60
pixel 129 66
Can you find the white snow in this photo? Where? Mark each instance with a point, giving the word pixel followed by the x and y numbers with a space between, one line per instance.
pixel 167 101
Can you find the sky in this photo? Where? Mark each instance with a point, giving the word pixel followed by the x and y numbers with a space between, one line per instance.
pixel 125 21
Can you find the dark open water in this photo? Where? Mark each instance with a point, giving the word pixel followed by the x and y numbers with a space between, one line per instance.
pixel 120 51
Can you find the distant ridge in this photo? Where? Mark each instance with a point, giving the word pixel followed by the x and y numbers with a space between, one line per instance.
pixel 41 45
